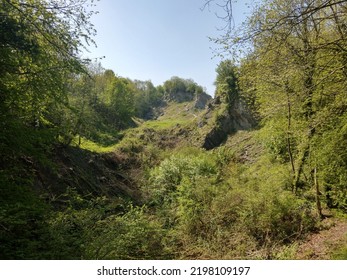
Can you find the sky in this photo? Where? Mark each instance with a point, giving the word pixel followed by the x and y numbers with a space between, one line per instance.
pixel 158 39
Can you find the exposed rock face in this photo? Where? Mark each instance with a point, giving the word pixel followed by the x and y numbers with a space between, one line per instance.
pixel 201 100
pixel 181 96
pixel 236 118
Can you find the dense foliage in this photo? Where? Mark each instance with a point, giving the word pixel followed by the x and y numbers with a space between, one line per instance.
pixel 297 66
pixel 39 51
pixel 97 166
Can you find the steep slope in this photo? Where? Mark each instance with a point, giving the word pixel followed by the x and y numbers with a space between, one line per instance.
pixel 89 173
pixel 226 120
pixel 190 184
pixel 175 126
pixel 201 122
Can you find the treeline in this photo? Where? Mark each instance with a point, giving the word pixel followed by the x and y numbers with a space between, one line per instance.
pixel 102 100
pixel 46 86
pixel 292 72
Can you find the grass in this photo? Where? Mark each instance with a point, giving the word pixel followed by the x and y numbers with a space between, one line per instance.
pixel 178 109
pixel 174 117
pixel 163 124
pixel 176 113
pixel 92 146
pixel 341 253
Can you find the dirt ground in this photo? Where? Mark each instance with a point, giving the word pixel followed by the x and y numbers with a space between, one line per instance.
pixel 320 245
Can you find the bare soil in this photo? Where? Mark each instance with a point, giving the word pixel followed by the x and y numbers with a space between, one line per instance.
pixel 321 245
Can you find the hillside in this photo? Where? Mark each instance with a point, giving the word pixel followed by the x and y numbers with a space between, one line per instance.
pixel 146 180
pixel 94 165
pixel 153 166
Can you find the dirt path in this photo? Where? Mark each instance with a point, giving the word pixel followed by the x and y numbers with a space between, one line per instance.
pixel 320 245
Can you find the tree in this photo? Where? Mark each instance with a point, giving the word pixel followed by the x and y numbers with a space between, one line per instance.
pixel 80 117
pixel 119 99
pixel 147 97
pixel 174 86
pixel 181 90
pixel 227 82
pixel 40 47
pixel 295 64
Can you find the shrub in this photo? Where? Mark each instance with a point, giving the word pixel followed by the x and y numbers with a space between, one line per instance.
pixel 247 216
pixel 131 236
pixel 273 216
pixel 333 165
pixel 23 229
pixel 165 179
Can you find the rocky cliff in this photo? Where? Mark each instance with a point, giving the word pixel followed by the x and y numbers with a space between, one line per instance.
pixel 231 119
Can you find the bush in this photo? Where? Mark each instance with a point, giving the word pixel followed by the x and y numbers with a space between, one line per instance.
pixel 24 232
pixel 102 229
pixel 193 203
pixel 333 165
pixel 165 179
pixel 273 216
pixel 248 215
pixel 131 236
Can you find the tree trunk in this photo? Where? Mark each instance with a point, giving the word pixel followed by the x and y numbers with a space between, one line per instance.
pixel 300 169
pixel 318 203
pixel 289 146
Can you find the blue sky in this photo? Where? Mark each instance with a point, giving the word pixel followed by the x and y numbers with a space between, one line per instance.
pixel 157 39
